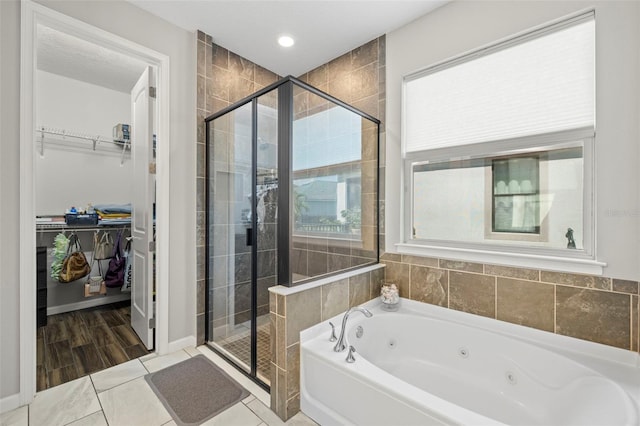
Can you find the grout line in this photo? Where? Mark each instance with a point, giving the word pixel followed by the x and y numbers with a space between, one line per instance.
pixel 495 299
pixel 631 320
pixel 98 398
pixel 555 310
pixel 448 289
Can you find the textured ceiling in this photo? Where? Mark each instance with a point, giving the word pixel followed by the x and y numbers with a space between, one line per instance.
pixel 69 56
pixel 323 30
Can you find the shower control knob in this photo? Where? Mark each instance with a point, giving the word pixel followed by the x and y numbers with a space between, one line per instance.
pixel 333 337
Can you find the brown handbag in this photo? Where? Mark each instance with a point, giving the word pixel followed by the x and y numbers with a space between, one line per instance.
pixel 74 265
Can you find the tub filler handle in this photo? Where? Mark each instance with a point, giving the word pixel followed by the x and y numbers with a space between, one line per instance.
pixel 350 358
pixel 341 345
pixel 333 337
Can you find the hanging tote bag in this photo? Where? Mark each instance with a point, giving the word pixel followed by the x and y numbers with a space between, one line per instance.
pixel 128 269
pixel 59 252
pixel 74 265
pixel 102 246
pixel 114 276
pixel 95 283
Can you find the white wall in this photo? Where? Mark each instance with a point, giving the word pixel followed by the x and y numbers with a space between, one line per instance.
pixel 73 174
pixel 9 194
pixel 462 26
pixel 130 22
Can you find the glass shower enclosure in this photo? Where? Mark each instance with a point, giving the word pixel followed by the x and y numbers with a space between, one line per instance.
pixel 292 195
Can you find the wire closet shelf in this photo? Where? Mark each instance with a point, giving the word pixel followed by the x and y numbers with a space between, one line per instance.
pixel 62 135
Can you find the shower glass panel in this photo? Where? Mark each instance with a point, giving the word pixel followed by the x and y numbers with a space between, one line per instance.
pixel 267 229
pixel 230 184
pixel 292 195
pixel 334 196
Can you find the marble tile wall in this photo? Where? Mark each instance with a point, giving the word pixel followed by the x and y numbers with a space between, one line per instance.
pixel 223 78
pixel 358 79
pixel 294 312
pixel 598 309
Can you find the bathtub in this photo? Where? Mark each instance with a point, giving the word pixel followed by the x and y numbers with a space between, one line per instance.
pixel 426 365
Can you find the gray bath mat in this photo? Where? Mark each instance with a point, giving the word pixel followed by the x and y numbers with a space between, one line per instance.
pixel 195 390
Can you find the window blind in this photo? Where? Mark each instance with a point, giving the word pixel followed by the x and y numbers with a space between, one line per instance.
pixel 533 85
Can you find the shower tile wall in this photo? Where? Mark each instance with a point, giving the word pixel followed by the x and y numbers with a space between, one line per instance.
pixel 223 78
pixel 358 79
pixel 598 309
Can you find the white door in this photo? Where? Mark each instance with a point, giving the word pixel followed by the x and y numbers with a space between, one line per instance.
pixel 142 313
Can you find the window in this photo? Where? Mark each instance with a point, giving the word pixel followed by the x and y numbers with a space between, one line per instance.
pixel 508 198
pixel 498 146
pixel 516 194
pixel 328 203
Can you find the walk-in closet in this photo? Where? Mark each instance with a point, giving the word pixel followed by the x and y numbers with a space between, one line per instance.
pixel 95 203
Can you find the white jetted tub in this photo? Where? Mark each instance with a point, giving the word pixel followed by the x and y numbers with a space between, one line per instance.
pixel 426 365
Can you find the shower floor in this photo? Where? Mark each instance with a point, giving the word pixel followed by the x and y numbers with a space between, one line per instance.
pixel 239 347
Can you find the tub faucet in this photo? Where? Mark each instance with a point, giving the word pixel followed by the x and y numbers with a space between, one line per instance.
pixel 341 345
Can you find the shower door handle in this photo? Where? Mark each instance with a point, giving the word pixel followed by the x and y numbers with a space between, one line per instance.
pixel 249 236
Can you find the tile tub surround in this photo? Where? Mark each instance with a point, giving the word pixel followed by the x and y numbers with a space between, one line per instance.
pixel 594 308
pixel 296 308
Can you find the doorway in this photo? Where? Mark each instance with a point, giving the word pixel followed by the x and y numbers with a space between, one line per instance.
pixel 106 150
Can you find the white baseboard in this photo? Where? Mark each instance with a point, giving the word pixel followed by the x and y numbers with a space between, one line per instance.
pixel 185 342
pixel 9 403
pixel 89 303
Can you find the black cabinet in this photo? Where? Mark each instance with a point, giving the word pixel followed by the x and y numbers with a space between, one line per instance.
pixel 41 286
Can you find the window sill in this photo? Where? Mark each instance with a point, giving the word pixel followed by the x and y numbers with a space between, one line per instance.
pixel 519 260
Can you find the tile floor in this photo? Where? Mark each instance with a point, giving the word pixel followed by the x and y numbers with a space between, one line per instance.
pixel 120 395
pixel 75 344
pixel 239 346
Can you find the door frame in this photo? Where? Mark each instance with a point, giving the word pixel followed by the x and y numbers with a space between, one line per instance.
pixel 32 14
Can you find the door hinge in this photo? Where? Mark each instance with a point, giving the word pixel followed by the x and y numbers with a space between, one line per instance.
pixel 152 323
pixel 152 168
pixel 152 92
pixel 152 246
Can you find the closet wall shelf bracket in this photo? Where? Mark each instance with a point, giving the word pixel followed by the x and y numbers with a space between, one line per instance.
pixel 126 144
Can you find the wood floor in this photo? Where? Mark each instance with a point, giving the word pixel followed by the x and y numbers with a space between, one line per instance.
pixel 78 343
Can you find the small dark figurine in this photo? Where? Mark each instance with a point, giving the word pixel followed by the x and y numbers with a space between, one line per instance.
pixel 571 244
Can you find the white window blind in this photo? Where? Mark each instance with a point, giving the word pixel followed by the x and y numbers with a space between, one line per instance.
pixel 537 84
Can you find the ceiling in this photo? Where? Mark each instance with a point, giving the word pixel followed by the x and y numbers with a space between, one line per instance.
pixel 79 59
pixel 322 29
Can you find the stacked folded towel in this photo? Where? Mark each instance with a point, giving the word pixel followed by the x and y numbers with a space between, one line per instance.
pixel 113 211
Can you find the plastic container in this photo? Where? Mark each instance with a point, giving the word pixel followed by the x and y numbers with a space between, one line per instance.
pixel 77 219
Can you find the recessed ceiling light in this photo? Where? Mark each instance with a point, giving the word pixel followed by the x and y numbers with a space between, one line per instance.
pixel 286 41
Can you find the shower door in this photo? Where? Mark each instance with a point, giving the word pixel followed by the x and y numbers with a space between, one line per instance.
pixel 242 196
